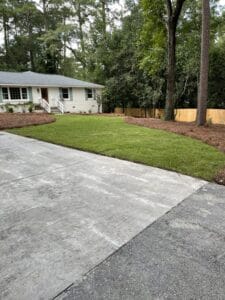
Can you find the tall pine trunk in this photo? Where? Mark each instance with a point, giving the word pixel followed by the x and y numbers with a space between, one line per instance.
pixel 5 30
pixel 204 69
pixel 169 111
pixel 173 14
pixel 81 36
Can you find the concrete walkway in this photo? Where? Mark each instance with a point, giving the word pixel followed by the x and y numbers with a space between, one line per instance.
pixel 63 211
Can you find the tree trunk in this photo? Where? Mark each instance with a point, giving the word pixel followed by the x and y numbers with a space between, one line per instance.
pixel 204 69
pixel 103 2
pixel 81 36
pixel 45 14
pixel 173 13
pixel 64 40
pixel 5 37
pixel 169 111
pixel 31 52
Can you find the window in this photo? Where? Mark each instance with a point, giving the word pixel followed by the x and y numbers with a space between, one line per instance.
pixel 5 93
pixel 24 93
pixel 89 94
pixel 15 93
pixel 65 93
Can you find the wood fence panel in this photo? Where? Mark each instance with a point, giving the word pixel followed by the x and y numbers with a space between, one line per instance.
pixel 185 114
pixel 216 116
pixel 118 110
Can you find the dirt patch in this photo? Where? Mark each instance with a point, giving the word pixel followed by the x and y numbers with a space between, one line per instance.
pixel 213 135
pixel 8 120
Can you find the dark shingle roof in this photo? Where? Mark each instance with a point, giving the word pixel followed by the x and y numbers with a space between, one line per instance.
pixel 36 79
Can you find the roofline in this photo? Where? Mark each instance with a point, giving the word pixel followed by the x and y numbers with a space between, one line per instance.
pixel 68 86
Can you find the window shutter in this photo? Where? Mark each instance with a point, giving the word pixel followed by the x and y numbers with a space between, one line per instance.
pixel 71 93
pixel 30 95
pixel 86 94
pixel 1 97
pixel 94 94
pixel 60 94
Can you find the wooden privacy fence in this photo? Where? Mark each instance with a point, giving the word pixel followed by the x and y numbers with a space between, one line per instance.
pixel 140 112
pixel 216 116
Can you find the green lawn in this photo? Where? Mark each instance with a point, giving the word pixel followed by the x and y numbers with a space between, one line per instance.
pixel 112 137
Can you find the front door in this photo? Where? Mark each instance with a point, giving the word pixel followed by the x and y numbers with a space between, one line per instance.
pixel 44 94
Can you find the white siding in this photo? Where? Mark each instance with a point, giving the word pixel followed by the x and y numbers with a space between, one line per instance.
pixel 53 96
pixel 78 104
pixel 36 93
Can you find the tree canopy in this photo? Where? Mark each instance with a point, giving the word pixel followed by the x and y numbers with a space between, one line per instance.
pixel 123 46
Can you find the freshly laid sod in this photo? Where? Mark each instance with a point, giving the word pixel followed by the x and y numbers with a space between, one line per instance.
pixel 111 136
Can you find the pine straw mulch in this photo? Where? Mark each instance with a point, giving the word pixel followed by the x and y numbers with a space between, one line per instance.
pixel 213 135
pixel 13 120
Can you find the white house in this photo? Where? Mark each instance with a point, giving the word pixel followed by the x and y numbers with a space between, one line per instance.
pixel 53 93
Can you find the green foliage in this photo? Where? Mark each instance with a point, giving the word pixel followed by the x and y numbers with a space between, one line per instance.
pixel 124 50
pixel 31 108
pixel 128 85
pixel 9 109
pixel 152 43
pixel 153 54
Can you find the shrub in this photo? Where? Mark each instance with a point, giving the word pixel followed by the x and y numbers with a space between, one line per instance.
pixel 30 108
pixel 10 110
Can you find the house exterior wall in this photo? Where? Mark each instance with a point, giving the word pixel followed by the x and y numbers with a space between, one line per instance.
pixel 36 95
pixel 18 105
pixel 77 102
pixel 80 104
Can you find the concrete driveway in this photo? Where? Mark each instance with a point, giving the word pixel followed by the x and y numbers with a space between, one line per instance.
pixel 63 212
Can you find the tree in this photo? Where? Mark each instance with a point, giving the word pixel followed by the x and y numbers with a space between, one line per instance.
pixel 161 22
pixel 126 49
pixel 5 13
pixel 204 69
pixel 173 14
pixel 126 84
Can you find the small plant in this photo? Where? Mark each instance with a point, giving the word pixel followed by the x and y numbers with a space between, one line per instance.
pixel 10 110
pixel 90 111
pixel 30 108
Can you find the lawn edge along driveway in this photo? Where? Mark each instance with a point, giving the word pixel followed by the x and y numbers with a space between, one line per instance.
pixel 112 137
pixel 63 211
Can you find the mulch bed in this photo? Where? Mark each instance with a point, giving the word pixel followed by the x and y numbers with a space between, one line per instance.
pixel 13 120
pixel 213 135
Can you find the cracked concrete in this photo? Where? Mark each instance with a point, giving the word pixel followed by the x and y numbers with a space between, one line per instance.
pixel 64 211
